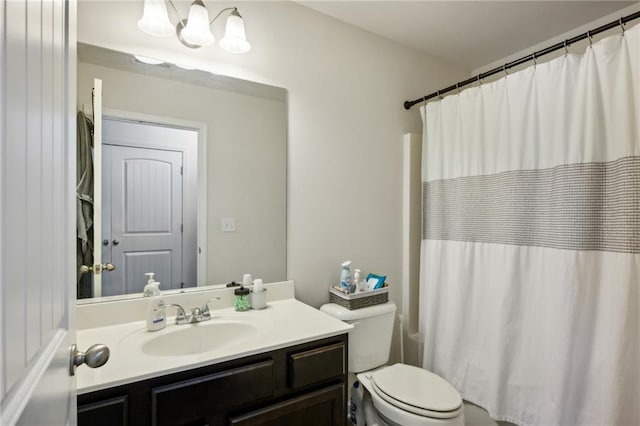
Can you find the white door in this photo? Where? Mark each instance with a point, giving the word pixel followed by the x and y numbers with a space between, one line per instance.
pixel 160 136
pixel 141 217
pixel 37 231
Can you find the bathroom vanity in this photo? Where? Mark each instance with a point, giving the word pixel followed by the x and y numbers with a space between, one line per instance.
pixel 301 384
pixel 284 365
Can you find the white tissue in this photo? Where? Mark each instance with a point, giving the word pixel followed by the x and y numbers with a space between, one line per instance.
pixel 258 285
pixel 371 284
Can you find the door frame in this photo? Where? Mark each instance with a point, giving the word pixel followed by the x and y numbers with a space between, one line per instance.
pixel 201 191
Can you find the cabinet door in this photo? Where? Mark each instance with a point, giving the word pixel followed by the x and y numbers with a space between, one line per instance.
pixel 321 408
pixel 111 412
pixel 317 365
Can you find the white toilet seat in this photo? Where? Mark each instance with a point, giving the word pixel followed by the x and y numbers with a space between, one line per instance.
pixel 412 408
pixel 410 396
pixel 417 391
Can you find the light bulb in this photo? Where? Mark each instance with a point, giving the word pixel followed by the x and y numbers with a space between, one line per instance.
pixel 197 31
pixel 235 40
pixel 155 19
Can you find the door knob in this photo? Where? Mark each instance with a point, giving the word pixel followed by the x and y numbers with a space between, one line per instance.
pixel 116 242
pixel 105 242
pixel 97 268
pixel 96 356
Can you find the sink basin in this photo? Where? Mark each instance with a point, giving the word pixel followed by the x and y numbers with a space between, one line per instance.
pixel 191 339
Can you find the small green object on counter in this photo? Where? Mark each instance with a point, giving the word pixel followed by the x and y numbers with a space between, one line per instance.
pixel 241 299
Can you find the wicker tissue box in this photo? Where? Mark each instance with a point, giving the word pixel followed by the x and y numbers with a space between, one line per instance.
pixel 359 300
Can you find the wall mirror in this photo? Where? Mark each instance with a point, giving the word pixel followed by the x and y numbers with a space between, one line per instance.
pixel 190 175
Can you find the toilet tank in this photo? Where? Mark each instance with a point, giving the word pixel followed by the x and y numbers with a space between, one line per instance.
pixel 370 338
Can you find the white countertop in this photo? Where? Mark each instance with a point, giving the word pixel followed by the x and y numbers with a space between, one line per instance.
pixel 283 323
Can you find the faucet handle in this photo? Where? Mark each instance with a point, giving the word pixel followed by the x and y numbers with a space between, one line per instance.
pixel 205 308
pixel 181 317
pixel 196 314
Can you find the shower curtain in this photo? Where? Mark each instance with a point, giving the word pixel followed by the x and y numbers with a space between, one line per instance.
pixel 530 262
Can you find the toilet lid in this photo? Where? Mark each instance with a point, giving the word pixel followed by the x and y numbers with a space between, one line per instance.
pixel 416 390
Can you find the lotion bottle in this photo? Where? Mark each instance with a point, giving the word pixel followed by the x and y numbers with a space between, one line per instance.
pixel 156 316
pixel 356 281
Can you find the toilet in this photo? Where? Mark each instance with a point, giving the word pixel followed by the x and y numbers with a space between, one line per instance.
pixel 400 394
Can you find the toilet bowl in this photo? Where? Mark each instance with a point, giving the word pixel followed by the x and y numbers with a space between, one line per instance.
pixel 400 394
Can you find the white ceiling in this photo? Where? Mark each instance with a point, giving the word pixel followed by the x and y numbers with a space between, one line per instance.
pixel 468 33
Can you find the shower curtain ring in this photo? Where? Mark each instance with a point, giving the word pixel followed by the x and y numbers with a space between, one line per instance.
pixel 438 95
pixel 504 69
pixel 535 61
pixel 590 38
pixel 566 49
pixel 458 88
pixel 621 25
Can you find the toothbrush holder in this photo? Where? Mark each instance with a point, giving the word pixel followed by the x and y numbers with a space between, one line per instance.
pixel 259 299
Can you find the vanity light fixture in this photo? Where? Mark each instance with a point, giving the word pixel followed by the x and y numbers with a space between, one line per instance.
pixel 195 31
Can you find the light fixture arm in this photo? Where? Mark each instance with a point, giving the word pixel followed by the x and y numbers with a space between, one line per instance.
pixel 175 9
pixel 221 12
pixel 182 21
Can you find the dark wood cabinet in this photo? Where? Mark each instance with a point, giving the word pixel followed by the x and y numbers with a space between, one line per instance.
pixel 195 397
pixel 322 407
pixel 109 412
pixel 299 385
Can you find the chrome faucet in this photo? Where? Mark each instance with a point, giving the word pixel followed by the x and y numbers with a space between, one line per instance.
pixel 206 315
pixel 181 316
pixel 197 314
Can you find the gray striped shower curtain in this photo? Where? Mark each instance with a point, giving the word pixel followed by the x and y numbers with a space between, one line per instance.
pixel 530 263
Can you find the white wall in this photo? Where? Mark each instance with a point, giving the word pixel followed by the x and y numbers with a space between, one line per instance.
pixel 577 48
pixel 346 120
pixel 246 138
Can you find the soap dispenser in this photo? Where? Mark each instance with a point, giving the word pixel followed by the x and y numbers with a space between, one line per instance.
pixel 156 315
pixel 148 289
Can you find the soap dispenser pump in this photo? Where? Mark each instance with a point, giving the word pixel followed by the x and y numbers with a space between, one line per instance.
pixel 148 289
pixel 156 315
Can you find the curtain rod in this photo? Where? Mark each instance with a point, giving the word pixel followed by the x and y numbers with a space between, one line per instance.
pixel 562 45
